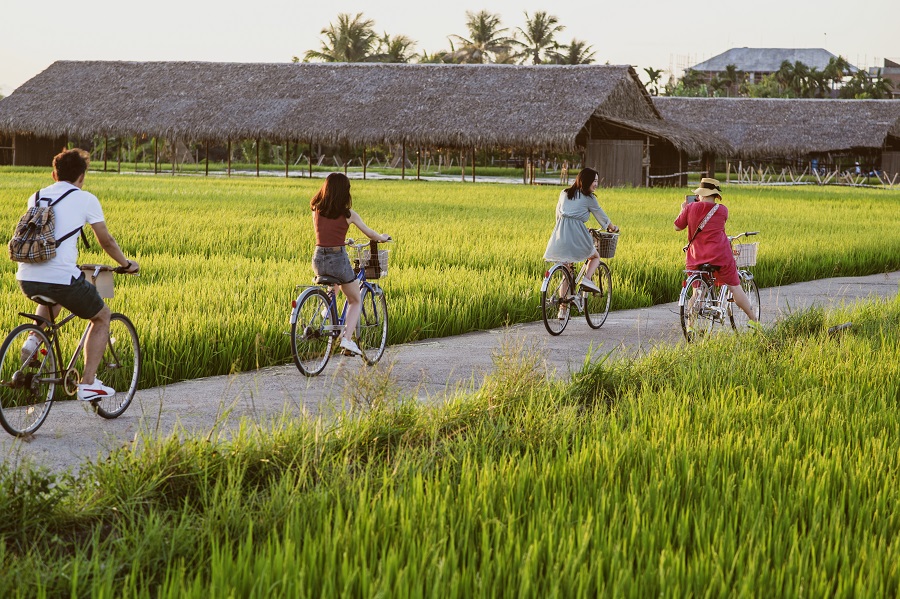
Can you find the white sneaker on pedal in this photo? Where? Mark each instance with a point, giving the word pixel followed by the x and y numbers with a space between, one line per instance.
pixel 590 286
pixel 29 348
pixel 96 390
pixel 350 346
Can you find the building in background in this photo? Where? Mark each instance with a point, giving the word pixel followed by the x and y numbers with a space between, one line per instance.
pixel 759 62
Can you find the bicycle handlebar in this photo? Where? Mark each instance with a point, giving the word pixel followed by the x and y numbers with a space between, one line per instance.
pixel 352 243
pixel 98 268
pixel 745 234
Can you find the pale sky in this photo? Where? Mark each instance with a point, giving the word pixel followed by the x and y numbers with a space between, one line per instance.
pixel 662 34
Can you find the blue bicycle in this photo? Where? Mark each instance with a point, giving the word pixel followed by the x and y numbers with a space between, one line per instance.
pixel 316 326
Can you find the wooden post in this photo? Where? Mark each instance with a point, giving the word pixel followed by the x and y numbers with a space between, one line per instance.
pixel 105 145
pixel 119 155
pixel 206 147
pixel 473 164
pixel 462 165
pixel 403 163
pixel 287 157
pixel 135 150
pixel 174 156
pixel 155 156
pixel 257 156
pixel 228 168
pixel 364 163
pixel 310 158
pixel 418 163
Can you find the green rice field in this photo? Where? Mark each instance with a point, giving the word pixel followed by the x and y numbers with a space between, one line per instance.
pixel 756 466
pixel 221 257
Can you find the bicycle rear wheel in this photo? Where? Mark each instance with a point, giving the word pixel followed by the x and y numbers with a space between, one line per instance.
pixel 312 333
pixel 120 367
pixel 696 301
pixel 596 305
pixel 371 332
pixel 738 317
pixel 556 291
pixel 27 380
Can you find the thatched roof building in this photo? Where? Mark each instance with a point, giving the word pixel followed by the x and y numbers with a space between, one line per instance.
pixel 765 128
pixel 452 105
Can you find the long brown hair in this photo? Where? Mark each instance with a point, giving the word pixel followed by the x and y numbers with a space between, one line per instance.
pixel 583 182
pixel 333 199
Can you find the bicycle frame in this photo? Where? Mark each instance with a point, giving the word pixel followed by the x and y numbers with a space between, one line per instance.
pixel 52 328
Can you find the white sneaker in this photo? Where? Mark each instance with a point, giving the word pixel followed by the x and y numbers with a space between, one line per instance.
pixel 29 348
pixel 350 346
pixel 563 313
pixel 96 390
pixel 589 285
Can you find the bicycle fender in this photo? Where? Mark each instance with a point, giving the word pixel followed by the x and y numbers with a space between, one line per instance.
pixel 295 310
pixel 544 284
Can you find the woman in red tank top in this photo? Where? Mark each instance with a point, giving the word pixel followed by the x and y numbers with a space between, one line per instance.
pixel 332 218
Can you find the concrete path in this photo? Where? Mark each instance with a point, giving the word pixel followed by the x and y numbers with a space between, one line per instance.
pixel 431 370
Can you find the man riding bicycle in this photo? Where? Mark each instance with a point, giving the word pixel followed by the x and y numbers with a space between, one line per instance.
pixel 58 283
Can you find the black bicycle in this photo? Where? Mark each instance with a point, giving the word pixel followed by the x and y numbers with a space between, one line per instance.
pixel 30 372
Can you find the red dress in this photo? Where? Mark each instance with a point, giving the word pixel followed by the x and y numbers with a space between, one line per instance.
pixel 711 246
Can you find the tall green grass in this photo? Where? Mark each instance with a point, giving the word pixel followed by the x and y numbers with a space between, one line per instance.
pixel 750 466
pixel 221 257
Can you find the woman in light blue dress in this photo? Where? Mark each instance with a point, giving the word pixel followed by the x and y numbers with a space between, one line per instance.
pixel 571 241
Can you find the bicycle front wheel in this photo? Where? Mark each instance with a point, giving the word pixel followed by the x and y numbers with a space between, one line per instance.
pixel 596 305
pixel 371 332
pixel 120 367
pixel 697 304
pixel 27 380
pixel 739 318
pixel 556 293
pixel 312 331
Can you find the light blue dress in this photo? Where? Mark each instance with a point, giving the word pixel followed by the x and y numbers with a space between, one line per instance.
pixel 570 240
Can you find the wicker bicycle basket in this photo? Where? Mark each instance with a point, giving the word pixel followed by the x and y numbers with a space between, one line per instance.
pixel 377 265
pixel 745 254
pixel 605 243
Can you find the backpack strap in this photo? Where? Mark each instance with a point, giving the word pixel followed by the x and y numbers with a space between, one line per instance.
pixel 59 240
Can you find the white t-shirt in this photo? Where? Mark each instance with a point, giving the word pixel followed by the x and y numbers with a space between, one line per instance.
pixel 77 209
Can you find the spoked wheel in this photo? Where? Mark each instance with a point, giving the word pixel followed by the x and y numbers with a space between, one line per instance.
pixel 120 367
pixel 697 308
pixel 371 333
pixel 556 293
pixel 739 318
pixel 312 334
pixel 27 380
pixel 596 305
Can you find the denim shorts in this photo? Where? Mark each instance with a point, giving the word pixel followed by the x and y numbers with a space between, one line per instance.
pixel 79 297
pixel 333 262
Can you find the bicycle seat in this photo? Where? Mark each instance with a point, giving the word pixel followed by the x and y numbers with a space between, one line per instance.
pixel 707 267
pixel 326 280
pixel 43 300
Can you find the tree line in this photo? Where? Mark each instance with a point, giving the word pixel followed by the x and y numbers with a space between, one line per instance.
pixel 354 39
pixel 791 80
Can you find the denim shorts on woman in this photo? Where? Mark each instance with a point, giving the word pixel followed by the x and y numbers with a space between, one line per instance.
pixel 333 262
pixel 79 297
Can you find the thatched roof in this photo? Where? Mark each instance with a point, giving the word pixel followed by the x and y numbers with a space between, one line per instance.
pixel 440 105
pixel 766 60
pixel 764 127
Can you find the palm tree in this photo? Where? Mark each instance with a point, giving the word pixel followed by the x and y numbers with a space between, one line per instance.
pixel 577 52
pixel 393 49
pixel 653 84
pixel 817 83
pixel 836 70
pixel 800 81
pixel 487 38
pixel 733 78
pixel 351 40
pixel 785 75
pixel 538 35
pixel 881 88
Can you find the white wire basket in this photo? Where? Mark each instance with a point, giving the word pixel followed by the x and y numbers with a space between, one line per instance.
pixel 605 243
pixel 378 267
pixel 745 254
